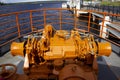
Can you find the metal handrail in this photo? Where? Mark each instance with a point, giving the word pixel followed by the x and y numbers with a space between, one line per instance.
pixel 26 24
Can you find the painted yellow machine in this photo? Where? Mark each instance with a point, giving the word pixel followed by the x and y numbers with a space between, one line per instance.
pixel 68 55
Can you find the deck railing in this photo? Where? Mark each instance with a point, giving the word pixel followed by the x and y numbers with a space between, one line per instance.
pixel 17 24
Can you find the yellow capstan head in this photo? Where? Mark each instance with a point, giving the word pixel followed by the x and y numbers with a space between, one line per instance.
pixel 17 48
pixel 104 49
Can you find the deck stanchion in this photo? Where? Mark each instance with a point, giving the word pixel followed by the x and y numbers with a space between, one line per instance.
pixel 44 15
pixel 101 31
pixel 75 19
pixel 18 25
pixel 60 17
pixel 31 25
pixel 89 21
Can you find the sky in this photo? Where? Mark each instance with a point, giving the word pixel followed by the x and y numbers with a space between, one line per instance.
pixel 16 1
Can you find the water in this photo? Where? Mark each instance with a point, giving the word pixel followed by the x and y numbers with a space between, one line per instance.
pixel 28 6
